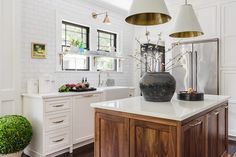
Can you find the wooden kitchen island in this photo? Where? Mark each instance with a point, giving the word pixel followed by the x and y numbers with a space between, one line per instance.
pixel 134 127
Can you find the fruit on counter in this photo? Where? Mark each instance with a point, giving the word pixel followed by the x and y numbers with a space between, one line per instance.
pixel 190 90
pixel 64 88
pixel 74 87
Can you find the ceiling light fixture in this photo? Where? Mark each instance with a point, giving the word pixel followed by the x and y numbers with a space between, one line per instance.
pixel 106 19
pixel 187 24
pixel 148 12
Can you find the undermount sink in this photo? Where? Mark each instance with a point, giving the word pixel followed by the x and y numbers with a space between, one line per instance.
pixel 115 92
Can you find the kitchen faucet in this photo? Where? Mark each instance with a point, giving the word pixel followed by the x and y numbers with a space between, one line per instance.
pixel 100 82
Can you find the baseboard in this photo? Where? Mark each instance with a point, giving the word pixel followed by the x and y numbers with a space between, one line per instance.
pixel 32 153
pixel 232 138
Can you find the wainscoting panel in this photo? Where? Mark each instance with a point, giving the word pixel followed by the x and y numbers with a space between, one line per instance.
pixel 228 34
pixel 9 60
pixel 208 18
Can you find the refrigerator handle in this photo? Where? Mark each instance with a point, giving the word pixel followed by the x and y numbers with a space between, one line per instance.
pixel 196 71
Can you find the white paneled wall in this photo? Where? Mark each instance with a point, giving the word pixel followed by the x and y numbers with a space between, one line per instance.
pixel 9 57
pixel 41 22
pixel 228 58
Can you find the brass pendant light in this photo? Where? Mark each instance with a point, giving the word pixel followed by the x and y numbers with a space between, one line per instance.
pixel 148 12
pixel 187 24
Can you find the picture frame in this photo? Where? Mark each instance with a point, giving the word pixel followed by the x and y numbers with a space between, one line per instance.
pixel 38 51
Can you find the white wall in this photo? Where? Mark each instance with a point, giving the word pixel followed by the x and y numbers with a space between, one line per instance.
pixel 25 21
pixel 41 22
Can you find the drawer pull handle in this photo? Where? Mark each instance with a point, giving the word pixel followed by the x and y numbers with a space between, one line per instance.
pixel 58 122
pixel 87 96
pixel 196 124
pixel 58 106
pixel 216 113
pixel 58 140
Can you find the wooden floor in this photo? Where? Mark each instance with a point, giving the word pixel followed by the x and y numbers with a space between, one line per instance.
pixel 88 151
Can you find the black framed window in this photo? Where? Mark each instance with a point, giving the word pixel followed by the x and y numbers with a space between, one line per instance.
pixel 107 41
pixel 70 32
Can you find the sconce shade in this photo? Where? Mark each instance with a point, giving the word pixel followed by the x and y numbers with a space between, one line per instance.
pixel 148 12
pixel 106 20
pixel 187 24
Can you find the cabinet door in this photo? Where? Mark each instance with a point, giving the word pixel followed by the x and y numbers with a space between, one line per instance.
pixel 223 130
pixel 194 138
pixel 152 140
pixel 83 117
pixel 112 136
pixel 212 133
pixel 217 132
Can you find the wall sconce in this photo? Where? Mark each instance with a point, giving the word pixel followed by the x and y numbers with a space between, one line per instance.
pixel 106 19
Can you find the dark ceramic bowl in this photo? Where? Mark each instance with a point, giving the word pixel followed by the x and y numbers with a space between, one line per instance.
pixel 190 97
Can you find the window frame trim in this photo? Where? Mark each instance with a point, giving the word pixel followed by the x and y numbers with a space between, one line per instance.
pixel 82 26
pixel 110 33
pixel 115 45
pixel 87 45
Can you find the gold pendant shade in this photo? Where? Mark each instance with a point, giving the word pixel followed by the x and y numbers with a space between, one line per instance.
pixel 148 12
pixel 148 19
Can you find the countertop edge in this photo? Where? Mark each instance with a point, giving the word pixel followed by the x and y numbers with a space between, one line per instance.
pixel 162 116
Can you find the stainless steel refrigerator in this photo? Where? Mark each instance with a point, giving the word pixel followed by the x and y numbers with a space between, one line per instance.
pixel 200 66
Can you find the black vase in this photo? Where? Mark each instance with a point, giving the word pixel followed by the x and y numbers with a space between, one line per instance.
pixel 158 86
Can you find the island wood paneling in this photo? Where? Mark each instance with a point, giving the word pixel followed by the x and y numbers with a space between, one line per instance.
pixel 112 136
pixel 152 139
pixel 121 134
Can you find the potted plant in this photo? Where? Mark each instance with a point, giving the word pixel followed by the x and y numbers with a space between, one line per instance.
pixel 156 84
pixel 77 46
pixel 15 135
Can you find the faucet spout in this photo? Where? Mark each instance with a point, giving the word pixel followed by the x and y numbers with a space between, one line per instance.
pixel 100 82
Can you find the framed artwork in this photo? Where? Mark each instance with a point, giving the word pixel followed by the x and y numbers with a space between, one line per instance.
pixel 38 51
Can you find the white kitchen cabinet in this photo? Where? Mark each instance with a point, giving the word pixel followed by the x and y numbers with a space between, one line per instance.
pixel 51 119
pixel 83 118
pixel 61 121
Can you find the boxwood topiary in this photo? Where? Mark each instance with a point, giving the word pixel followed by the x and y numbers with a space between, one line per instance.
pixel 15 134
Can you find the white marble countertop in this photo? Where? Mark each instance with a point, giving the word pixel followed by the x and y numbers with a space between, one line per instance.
pixel 65 94
pixel 174 110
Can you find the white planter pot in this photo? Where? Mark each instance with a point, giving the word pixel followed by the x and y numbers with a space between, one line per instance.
pixel 18 154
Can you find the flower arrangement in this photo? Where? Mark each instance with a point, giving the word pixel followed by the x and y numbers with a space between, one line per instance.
pixel 152 55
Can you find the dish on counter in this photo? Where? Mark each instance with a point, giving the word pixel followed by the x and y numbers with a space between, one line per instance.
pixel 190 95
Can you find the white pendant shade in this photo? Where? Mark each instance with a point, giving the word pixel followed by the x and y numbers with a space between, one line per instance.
pixel 187 24
pixel 148 12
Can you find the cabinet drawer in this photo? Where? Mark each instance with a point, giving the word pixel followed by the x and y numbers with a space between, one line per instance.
pixel 57 121
pixel 57 140
pixel 57 104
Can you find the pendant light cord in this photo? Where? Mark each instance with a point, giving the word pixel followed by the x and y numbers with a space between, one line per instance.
pixel 186 2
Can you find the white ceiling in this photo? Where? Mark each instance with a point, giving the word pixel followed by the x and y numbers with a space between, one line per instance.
pixel 126 4
pixel 123 4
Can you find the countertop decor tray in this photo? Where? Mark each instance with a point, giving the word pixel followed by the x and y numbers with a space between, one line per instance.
pixel 190 96
pixel 83 90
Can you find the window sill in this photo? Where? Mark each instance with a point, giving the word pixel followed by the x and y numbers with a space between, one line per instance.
pixel 91 72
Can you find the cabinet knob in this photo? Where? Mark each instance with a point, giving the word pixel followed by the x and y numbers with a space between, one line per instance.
pixel 216 113
pixel 196 124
